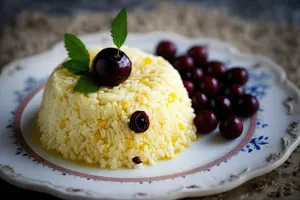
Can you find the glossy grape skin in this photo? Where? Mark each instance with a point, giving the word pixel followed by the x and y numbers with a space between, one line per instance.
pixel 231 127
pixel 247 106
pixel 199 54
pixel 237 75
pixel 215 69
pixel 184 63
pixel 205 121
pixel 194 74
pixel 209 85
pixel 199 101
pixel 189 86
pixel 233 91
pixel 167 50
pixel 221 106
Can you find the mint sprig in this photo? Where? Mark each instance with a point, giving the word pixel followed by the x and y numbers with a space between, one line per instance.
pixel 75 67
pixel 79 58
pixel 78 54
pixel 86 85
pixel 79 64
pixel 119 29
pixel 76 49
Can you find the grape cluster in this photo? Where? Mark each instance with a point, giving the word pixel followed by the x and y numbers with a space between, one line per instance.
pixel 217 91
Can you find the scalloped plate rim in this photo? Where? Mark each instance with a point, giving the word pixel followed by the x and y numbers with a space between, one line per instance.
pixel 35 185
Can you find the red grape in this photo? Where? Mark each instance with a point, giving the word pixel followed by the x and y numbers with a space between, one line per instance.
pixel 209 85
pixel 215 69
pixel 237 75
pixel 194 74
pixel 199 54
pixel 199 101
pixel 166 49
pixel 184 63
pixel 205 121
pixel 233 91
pixel 247 105
pixel 221 106
pixel 189 86
pixel 232 127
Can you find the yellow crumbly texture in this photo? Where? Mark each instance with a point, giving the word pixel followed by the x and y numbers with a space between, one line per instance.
pixel 93 128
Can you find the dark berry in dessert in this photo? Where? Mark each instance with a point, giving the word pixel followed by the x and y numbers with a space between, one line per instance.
pixel 189 86
pixel 139 122
pixel 209 85
pixel 231 127
pixel 233 91
pixel 199 101
pixel 137 160
pixel 221 106
pixel 205 121
pixel 194 74
pixel 166 49
pixel 112 67
pixel 199 55
pixel 247 105
pixel 215 69
pixel 184 63
pixel 237 75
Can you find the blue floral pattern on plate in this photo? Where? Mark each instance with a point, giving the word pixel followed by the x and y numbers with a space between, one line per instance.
pixel 29 85
pixel 255 143
pixel 257 86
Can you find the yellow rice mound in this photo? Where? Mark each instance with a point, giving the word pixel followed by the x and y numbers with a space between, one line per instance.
pixel 94 128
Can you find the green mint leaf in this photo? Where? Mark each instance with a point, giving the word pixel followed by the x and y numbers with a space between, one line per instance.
pixel 86 85
pixel 75 67
pixel 119 28
pixel 77 50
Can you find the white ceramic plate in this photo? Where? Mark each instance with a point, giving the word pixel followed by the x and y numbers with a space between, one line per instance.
pixel 212 164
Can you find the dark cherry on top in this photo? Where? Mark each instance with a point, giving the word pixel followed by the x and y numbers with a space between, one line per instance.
pixel 111 69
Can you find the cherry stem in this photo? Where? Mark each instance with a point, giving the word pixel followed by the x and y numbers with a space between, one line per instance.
pixel 118 55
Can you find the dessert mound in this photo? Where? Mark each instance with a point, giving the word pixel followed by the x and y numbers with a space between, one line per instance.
pixel 96 128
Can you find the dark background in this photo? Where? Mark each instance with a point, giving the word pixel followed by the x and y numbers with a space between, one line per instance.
pixel 276 10
pixel 285 11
